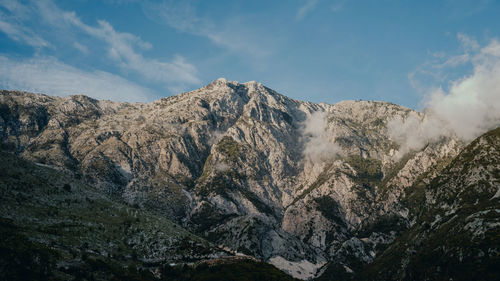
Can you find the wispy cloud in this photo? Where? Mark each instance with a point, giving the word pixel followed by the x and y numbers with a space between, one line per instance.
pixel 123 49
pixel 11 26
pixel 16 8
pixel 307 7
pixel 22 34
pixel 454 61
pixel 80 47
pixel 231 34
pixel 440 68
pixel 50 76
pixel 467 42
pixel 339 5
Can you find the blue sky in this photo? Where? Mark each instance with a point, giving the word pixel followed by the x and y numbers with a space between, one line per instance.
pixel 316 50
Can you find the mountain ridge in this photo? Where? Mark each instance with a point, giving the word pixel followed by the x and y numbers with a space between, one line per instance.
pixel 293 183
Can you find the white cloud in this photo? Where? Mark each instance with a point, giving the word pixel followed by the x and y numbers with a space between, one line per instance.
pixel 234 35
pixel 80 47
pixel 9 24
pixel 455 61
pixel 318 146
pixel 492 49
pixel 467 42
pixel 123 49
pixel 307 7
pixel 15 8
pixel 415 131
pixel 50 76
pixel 470 106
pixel 22 34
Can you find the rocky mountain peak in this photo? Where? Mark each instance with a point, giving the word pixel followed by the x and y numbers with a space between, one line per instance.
pixel 221 80
pixel 220 84
pixel 296 184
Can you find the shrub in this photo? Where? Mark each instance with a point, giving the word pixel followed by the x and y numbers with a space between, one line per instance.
pixel 67 187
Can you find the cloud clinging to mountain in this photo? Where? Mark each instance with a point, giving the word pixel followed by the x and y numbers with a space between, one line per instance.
pixel 469 107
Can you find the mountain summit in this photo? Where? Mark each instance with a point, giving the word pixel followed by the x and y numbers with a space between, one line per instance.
pixel 316 190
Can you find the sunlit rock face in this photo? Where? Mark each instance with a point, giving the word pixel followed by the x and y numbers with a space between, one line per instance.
pixel 298 184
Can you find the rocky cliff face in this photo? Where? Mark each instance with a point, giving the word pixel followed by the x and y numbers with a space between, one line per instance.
pixel 307 187
pixel 455 229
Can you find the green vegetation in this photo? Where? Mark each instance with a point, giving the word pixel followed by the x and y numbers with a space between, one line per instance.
pixel 368 174
pixel 395 170
pixel 226 182
pixel 449 245
pixel 223 181
pixel 207 167
pixel 53 227
pixel 242 269
pixel 220 184
pixel 336 272
pixel 444 253
pixel 384 224
pixel 207 216
pixel 21 258
pixel 261 206
pixel 229 147
pixel 286 117
pixel 369 170
pixel 67 187
pixel 322 178
pixel 330 209
pixel 48 218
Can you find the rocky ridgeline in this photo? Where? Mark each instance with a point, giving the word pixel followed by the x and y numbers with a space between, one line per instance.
pixel 306 187
pixel 455 224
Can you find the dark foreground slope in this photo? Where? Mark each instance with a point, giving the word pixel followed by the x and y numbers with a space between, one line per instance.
pixel 456 232
pixel 53 227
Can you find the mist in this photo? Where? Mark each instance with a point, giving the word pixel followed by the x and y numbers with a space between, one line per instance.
pixel 318 147
pixel 469 108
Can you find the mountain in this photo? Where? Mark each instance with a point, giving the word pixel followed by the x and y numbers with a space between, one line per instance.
pixel 55 227
pixel 455 234
pixel 316 190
